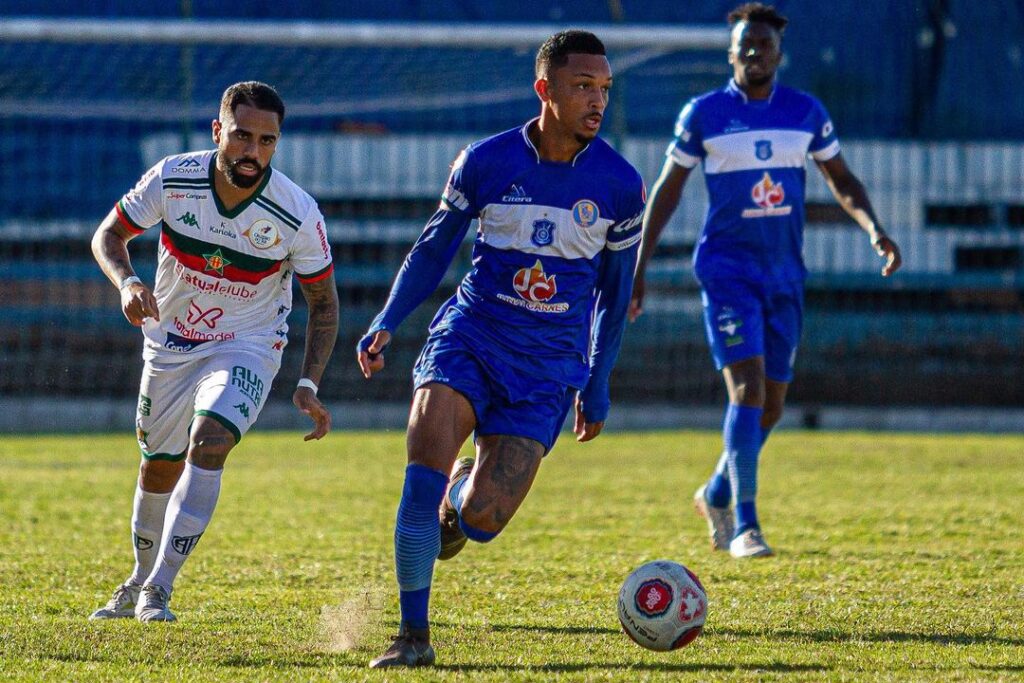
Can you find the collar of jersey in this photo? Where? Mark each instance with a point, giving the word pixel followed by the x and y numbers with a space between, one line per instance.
pixel 244 204
pixel 529 143
pixel 735 89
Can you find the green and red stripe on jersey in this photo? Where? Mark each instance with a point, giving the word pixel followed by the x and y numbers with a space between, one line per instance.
pixel 317 276
pixel 216 259
pixel 126 220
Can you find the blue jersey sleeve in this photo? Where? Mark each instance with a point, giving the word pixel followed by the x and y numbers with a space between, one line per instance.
pixel 824 145
pixel 430 256
pixel 687 147
pixel 614 289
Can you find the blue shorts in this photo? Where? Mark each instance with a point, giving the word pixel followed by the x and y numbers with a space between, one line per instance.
pixel 506 401
pixel 745 319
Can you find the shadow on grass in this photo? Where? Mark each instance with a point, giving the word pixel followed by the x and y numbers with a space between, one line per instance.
pixel 589 630
pixel 882 637
pixel 637 666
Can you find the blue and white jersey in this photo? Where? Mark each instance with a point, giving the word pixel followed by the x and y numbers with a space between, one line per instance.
pixel 753 154
pixel 552 261
pixel 544 230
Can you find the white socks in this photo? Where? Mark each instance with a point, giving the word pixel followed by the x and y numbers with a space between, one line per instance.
pixel 188 513
pixel 147 529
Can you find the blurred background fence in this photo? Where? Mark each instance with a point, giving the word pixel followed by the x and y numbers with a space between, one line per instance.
pixel 927 98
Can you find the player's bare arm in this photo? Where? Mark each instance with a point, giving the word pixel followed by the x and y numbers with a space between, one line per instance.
pixel 852 196
pixel 321 333
pixel 663 202
pixel 110 249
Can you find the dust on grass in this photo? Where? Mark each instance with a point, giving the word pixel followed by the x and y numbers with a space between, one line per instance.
pixel 343 626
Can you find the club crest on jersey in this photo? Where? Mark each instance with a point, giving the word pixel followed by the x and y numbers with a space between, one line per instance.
pixel 216 262
pixel 763 149
pixel 585 213
pixel 543 232
pixel 767 195
pixel 263 234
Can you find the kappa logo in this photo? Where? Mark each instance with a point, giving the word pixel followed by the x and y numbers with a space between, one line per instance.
pixel 189 219
pixel 516 195
pixel 185 544
pixel 653 597
pixel 208 317
pixel 767 195
pixel 543 232
pixel 243 409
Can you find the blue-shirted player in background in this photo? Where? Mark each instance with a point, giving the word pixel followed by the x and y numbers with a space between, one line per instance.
pixel 532 331
pixel 752 138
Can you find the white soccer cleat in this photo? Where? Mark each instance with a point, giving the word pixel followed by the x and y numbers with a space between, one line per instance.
pixel 719 520
pixel 121 604
pixel 750 544
pixel 152 605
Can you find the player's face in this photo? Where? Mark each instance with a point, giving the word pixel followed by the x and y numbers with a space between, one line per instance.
pixel 755 53
pixel 578 94
pixel 246 141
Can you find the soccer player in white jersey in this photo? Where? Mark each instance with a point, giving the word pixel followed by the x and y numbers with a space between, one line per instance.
pixel 232 232
pixel 532 331
pixel 752 138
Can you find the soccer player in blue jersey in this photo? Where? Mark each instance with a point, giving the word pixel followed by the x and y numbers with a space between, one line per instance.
pixel 532 331
pixel 752 138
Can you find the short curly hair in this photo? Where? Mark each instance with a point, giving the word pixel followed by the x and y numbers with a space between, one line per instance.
pixel 253 94
pixel 756 11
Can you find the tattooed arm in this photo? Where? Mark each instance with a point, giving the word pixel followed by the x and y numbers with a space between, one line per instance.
pixel 321 333
pixel 110 249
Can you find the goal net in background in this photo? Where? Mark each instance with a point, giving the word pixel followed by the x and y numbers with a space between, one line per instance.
pixel 376 112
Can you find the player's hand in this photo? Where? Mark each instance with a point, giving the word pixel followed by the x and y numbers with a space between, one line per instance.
pixel 307 402
pixel 370 352
pixel 585 431
pixel 636 304
pixel 138 303
pixel 887 249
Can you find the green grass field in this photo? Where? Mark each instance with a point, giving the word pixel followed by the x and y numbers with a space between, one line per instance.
pixel 900 557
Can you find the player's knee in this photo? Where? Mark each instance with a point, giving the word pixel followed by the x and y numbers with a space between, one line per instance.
pixel 209 445
pixel 159 476
pixel 749 392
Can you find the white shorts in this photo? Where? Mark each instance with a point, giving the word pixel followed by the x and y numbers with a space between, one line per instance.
pixel 229 386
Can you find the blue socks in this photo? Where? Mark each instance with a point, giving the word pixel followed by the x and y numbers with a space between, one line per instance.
pixel 743 436
pixel 418 540
pixel 718 492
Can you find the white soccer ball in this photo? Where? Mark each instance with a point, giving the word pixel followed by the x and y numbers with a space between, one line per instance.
pixel 662 606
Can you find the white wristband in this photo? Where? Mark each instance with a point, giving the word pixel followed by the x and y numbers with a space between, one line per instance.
pixel 130 280
pixel 309 384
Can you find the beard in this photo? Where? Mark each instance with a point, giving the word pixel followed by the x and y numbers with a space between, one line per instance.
pixel 239 180
pixel 757 81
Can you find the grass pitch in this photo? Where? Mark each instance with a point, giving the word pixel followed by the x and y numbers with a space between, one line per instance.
pixel 900 557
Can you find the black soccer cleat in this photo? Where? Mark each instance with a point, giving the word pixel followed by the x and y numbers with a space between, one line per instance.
pixel 452 538
pixel 411 647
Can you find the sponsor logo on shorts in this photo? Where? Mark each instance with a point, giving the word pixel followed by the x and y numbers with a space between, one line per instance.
pixel 585 213
pixel 141 436
pixel 242 408
pixel 730 325
pixel 248 382
pixel 263 234
pixel 145 405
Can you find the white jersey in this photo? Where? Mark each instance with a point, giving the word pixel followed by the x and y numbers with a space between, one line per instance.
pixel 223 275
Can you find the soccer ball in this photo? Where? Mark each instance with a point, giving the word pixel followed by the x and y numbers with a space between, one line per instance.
pixel 662 606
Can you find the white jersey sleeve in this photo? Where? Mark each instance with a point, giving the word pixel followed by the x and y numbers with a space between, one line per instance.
pixel 143 206
pixel 311 251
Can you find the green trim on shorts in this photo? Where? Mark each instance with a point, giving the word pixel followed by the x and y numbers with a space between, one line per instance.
pixel 227 424
pixel 169 457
